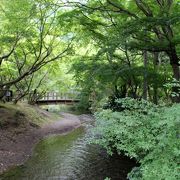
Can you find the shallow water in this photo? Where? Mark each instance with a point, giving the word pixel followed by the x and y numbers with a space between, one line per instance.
pixel 70 157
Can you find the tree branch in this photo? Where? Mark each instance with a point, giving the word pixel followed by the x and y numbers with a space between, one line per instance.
pixel 121 9
pixel 6 56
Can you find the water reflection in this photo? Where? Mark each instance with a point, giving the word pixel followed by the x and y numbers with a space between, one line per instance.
pixel 69 157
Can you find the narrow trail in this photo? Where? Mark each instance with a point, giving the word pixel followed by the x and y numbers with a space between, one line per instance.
pixel 68 122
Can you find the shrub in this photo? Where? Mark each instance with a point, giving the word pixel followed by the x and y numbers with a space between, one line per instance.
pixel 145 132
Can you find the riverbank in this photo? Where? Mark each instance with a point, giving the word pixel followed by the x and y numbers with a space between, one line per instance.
pixel 19 135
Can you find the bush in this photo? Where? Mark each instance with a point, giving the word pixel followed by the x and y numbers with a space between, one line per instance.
pixel 145 132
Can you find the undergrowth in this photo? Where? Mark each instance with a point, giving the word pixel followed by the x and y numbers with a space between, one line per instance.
pixel 143 131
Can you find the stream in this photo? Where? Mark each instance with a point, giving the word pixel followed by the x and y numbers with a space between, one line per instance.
pixel 70 157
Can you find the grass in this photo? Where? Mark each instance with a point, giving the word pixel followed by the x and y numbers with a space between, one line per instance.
pixel 21 114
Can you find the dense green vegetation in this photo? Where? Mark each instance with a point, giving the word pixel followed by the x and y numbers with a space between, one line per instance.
pixel 145 132
pixel 31 46
pixel 116 48
pixel 123 56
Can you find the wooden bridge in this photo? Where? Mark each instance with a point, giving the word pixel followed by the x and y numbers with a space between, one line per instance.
pixel 58 98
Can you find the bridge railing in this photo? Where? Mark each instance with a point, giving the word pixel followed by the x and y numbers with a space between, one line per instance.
pixel 59 96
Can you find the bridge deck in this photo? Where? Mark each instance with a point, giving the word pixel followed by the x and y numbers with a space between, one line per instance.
pixel 58 101
pixel 58 98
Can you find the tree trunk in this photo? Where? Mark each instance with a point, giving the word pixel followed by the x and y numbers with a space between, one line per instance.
pixel 174 61
pixel 19 98
pixel 176 74
pixel 145 83
pixel 155 89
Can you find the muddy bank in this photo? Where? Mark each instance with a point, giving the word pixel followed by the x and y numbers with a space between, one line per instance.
pixel 16 147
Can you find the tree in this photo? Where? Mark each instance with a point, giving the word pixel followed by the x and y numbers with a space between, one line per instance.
pixel 158 32
pixel 30 44
pixel 138 25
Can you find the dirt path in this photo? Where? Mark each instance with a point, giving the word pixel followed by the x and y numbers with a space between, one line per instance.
pixel 65 124
pixel 16 148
